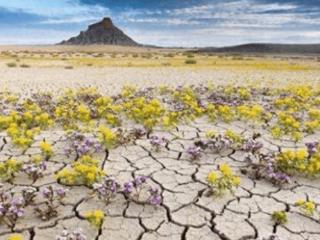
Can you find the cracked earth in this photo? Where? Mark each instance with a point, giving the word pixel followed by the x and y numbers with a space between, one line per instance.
pixel 186 212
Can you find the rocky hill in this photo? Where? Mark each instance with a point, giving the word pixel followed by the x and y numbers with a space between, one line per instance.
pixel 265 48
pixel 103 32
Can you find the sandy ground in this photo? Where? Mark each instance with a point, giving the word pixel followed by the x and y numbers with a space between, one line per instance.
pixel 110 80
pixel 186 212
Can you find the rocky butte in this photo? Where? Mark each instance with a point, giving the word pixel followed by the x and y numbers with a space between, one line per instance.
pixel 101 33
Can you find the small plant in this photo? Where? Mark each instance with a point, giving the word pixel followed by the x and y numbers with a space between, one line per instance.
pixel 74 235
pixel 157 142
pixel 12 65
pixel 46 149
pixel 83 172
pixel 279 217
pixel 15 237
pixel 215 143
pixel 133 190
pixel 301 161
pixel 9 168
pixel 194 152
pixel 53 198
pixel 82 145
pixel 95 218
pixel 107 138
pixel 190 61
pixel 34 169
pixel 222 180
pixel 307 207
pixel 107 189
pixel 11 207
pixel 25 66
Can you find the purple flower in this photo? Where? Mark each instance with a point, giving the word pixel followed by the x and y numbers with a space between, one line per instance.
pixel 157 141
pixel 194 152
pixel 139 181
pixel 155 198
pixel 252 146
pixel 128 187
pixel 82 145
pixel 47 192
pixel 312 147
pixel 61 192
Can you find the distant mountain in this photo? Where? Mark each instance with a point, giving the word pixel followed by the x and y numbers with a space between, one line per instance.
pixel 103 32
pixel 266 48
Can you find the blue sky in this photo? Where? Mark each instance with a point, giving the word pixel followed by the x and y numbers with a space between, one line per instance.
pixel 164 22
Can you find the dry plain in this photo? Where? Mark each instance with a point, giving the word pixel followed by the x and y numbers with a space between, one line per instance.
pixel 165 156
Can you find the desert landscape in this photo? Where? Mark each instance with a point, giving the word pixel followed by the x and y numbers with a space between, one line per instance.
pixel 104 138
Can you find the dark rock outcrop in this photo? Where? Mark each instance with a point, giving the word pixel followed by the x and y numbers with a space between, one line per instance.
pixel 103 32
pixel 265 48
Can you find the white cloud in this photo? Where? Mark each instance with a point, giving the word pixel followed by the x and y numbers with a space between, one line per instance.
pixel 58 11
pixel 217 23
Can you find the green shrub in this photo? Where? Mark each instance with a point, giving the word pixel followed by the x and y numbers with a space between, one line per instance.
pixel 11 65
pixel 190 61
pixel 24 66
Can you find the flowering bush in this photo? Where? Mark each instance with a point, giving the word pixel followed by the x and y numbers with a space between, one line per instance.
pixel 95 218
pixel 107 138
pixel 35 168
pixel 107 189
pixel 222 180
pixel 82 145
pixel 46 149
pixel 157 142
pixel 279 217
pixel 53 198
pixel 84 172
pixel 301 161
pixel 133 190
pixel 9 168
pixel 194 152
pixel 307 207
pixel 11 207
pixel 143 111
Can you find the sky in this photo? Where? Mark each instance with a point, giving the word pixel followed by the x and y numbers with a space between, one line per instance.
pixel 185 23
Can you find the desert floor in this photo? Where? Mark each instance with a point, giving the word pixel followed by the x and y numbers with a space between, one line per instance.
pixel 186 211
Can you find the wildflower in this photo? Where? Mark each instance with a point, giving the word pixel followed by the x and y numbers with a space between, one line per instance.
pixel 223 180
pixel 212 177
pixel 95 217
pixel 46 149
pixel 15 237
pixel 308 207
pixel 225 169
pixel 155 198
pixel 194 152
pixel 279 217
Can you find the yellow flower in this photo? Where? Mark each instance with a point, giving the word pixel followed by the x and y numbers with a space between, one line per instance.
pixel 236 181
pixel 46 149
pixel 15 237
pixel 95 217
pixel 210 134
pixel 308 207
pixel 212 177
pixel 225 169
pixel 107 137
